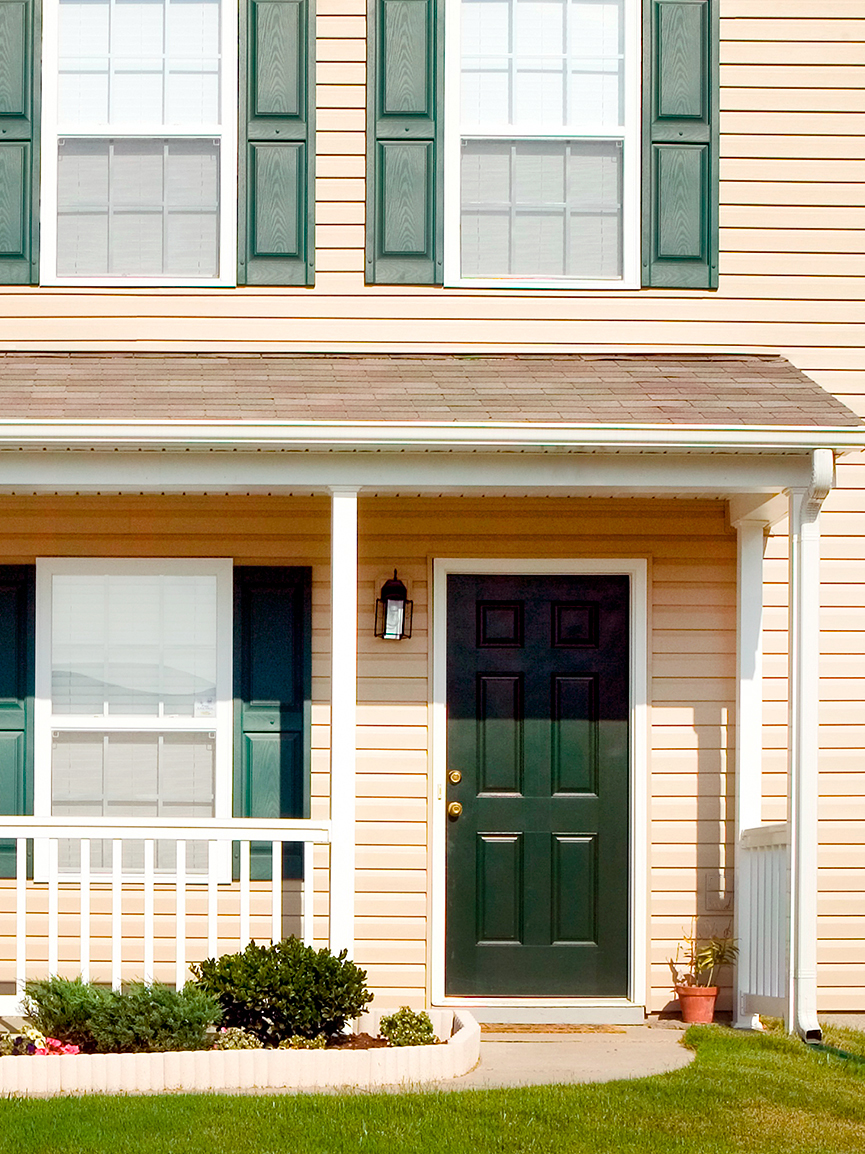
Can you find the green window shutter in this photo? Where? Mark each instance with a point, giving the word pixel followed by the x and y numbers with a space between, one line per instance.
pixel 404 145
pixel 680 143
pixel 272 690
pixel 17 653
pixel 276 132
pixel 20 35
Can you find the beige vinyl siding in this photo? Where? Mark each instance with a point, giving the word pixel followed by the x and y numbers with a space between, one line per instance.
pixel 692 641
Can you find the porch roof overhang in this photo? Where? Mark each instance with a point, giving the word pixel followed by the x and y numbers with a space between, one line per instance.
pixel 576 424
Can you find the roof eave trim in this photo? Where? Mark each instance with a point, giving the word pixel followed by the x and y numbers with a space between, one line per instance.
pixel 488 436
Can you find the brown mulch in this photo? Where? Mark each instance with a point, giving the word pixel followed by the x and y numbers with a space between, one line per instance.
pixel 356 1042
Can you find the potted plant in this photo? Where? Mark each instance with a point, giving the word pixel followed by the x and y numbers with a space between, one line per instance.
pixel 694 967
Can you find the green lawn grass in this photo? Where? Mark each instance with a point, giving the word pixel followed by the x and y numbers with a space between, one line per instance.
pixel 762 1093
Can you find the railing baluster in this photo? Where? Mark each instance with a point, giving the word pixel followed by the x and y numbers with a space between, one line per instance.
pixel 307 895
pixel 149 914
pixel 212 899
pixel 244 894
pixel 53 907
pixel 84 906
pixel 20 914
pixel 116 913
pixel 276 892
pixel 180 908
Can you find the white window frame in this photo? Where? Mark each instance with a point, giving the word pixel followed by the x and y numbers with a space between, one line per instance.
pixel 225 132
pixel 45 721
pixel 631 164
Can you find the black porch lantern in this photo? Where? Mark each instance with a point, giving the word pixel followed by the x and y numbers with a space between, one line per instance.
pixel 393 611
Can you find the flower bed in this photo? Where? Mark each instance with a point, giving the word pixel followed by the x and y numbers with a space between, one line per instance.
pixel 234 1070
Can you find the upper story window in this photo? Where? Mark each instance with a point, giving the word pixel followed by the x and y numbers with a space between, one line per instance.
pixel 139 142
pixel 542 140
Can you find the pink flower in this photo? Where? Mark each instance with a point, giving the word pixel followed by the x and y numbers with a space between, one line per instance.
pixel 70 1049
pixel 40 1050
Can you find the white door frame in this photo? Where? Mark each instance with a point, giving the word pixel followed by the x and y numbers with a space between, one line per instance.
pixel 637 570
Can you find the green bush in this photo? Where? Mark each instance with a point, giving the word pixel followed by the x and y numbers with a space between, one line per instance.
pixel 298 1043
pixel 63 1008
pixel 286 989
pixel 150 1019
pixel 235 1038
pixel 140 1019
pixel 407 1028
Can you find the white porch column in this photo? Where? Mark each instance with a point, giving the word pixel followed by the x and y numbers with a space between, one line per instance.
pixel 343 715
pixel 803 742
pixel 749 736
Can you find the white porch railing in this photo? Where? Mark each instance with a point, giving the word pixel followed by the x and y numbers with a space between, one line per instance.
pixel 764 904
pixel 115 899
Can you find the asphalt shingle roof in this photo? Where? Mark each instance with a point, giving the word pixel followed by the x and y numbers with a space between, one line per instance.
pixel 664 389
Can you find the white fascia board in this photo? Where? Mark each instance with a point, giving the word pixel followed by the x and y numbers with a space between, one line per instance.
pixel 419 435
pixel 250 471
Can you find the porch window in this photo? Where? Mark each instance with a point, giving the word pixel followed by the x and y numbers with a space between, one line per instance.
pixel 133 712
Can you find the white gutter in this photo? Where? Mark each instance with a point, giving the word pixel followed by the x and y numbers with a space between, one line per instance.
pixel 421 435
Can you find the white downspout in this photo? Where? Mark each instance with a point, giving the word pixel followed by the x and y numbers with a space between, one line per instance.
pixel 343 716
pixel 803 742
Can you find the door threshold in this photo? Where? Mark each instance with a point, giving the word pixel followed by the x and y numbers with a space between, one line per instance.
pixel 611 1013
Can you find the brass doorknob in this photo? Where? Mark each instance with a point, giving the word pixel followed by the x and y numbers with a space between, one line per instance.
pixel 455 777
pixel 454 810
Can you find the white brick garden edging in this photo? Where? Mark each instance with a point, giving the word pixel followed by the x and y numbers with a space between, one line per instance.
pixel 226 1070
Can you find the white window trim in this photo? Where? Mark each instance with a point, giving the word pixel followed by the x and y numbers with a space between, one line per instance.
pixel 44 721
pixel 637 570
pixel 227 134
pixel 631 174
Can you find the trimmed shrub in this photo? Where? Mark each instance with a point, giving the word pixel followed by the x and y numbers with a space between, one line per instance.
pixel 63 1008
pixel 139 1019
pixel 407 1028
pixel 285 990
pixel 150 1019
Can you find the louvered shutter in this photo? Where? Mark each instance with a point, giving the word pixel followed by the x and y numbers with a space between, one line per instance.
pixel 17 645
pixel 275 162
pixel 272 692
pixel 680 143
pixel 404 169
pixel 20 33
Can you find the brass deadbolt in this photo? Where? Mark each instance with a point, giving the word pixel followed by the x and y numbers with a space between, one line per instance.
pixel 455 777
pixel 454 810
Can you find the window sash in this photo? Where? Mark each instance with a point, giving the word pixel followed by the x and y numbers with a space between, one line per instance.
pixel 56 127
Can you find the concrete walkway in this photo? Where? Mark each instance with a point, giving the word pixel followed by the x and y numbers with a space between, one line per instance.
pixel 539 1059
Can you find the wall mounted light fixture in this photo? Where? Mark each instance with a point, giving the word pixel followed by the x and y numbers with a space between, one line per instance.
pixel 393 611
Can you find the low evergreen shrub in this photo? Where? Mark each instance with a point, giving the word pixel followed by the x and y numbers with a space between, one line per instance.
pixel 285 990
pixel 139 1019
pixel 63 1008
pixel 406 1027
pixel 151 1019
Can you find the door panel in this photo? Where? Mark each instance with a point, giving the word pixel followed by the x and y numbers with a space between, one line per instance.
pixel 537 862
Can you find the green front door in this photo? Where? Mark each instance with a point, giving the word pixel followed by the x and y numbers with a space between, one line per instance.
pixel 537 861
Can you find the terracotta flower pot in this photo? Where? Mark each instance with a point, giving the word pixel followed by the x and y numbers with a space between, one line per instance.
pixel 697 1002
